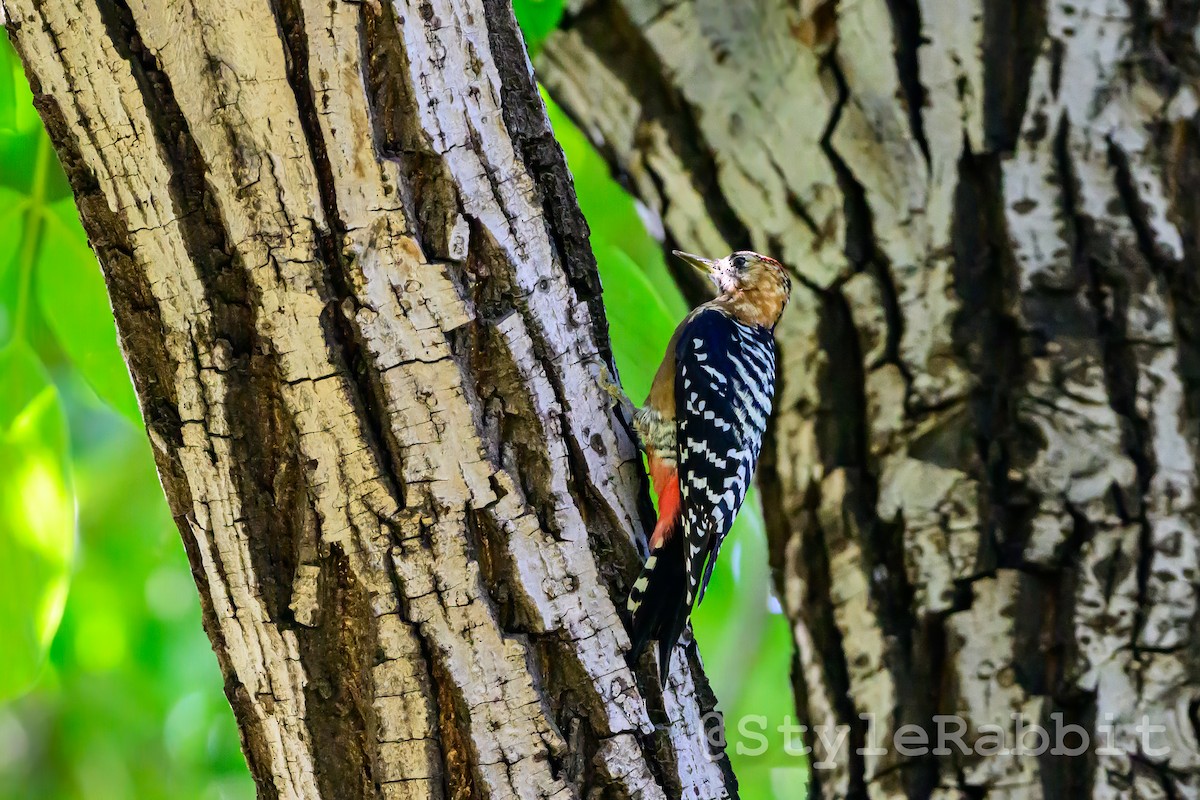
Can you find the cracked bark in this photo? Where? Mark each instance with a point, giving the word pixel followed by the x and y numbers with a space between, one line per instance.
pixel 981 486
pixel 357 301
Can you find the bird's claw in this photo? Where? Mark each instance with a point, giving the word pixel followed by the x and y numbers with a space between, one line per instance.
pixel 614 391
pixel 625 406
pixel 610 387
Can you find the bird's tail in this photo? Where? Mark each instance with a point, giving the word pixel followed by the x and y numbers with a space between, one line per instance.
pixel 658 604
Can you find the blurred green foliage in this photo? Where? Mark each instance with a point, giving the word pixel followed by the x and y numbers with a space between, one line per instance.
pixel 110 689
pixel 538 19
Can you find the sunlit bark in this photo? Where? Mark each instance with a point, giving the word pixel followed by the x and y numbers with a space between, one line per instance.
pixel 358 303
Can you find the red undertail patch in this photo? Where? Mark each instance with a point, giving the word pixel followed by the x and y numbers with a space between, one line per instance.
pixel 666 487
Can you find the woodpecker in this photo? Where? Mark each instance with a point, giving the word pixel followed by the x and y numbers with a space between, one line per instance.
pixel 702 429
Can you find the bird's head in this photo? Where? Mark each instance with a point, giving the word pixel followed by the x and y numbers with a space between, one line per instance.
pixel 753 288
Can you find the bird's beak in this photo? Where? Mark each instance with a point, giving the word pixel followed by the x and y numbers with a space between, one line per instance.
pixel 705 265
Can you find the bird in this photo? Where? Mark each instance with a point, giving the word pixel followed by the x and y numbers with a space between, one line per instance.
pixel 702 428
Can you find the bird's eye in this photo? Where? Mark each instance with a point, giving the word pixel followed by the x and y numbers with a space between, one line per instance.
pixel 739 262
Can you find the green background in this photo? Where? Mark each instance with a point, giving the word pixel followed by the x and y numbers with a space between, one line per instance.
pixel 108 687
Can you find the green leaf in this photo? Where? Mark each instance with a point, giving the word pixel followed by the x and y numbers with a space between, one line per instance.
pixel 20 127
pixel 74 302
pixel 8 95
pixel 17 151
pixel 13 208
pixel 23 378
pixel 22 134
pixel 25 116
pixel 538 19
pixel 37 517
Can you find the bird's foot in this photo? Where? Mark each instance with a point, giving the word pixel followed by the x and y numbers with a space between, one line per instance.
pixel 610 387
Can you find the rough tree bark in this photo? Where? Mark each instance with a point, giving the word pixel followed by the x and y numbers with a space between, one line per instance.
pixel 358 304
pixel 981 490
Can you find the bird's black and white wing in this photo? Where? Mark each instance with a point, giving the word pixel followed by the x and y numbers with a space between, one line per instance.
pixel 724 384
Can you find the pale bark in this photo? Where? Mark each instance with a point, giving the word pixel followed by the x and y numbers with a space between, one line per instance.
pixel 981 489
pixel 358 304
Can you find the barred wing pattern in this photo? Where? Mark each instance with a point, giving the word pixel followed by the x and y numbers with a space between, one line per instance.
pixel 723 392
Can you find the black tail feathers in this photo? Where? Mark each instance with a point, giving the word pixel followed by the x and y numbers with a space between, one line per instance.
pixel 658 604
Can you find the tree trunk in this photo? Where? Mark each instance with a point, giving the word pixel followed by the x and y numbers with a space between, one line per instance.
pixel 359 307
pixel 981 489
